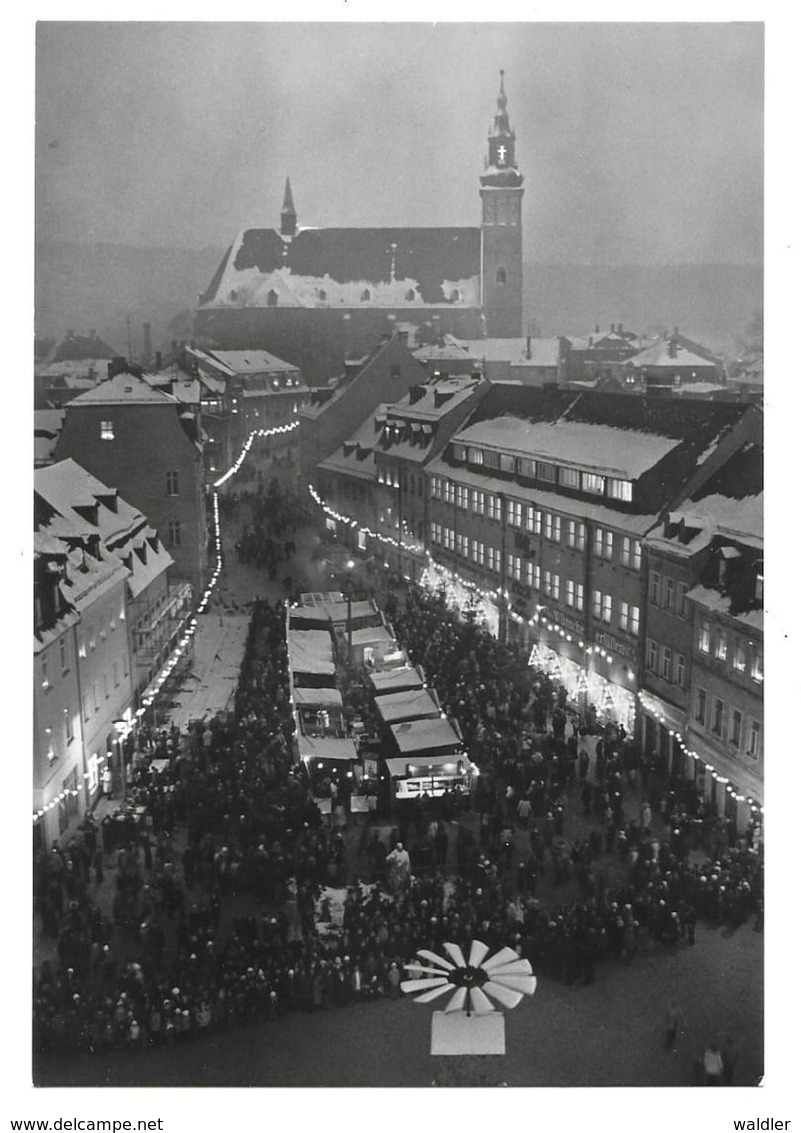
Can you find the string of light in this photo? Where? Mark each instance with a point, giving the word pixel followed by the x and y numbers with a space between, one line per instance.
pixel 730 788
pixel 354 523
pixel 192 625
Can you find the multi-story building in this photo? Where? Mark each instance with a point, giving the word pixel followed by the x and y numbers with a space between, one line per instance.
pixel 387 493
pixel 335 413
pixel 106 616
pixel 716 733
pixel 146 443
pixel 538 508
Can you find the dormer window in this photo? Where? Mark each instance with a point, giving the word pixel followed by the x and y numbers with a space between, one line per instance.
pixel 272 298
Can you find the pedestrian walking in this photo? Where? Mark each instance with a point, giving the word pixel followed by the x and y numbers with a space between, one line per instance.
pixel 713 1065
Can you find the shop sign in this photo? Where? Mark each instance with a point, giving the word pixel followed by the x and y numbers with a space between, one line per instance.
pixel 623 649
pixel 560 619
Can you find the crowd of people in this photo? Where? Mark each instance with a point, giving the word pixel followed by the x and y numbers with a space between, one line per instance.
pixel 232 921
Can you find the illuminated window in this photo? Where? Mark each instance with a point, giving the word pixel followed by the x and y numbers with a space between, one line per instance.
pixel 757 671
pixel 107 430
pixel 514 513
pixel 478 502
pixel 592 483
pixel 704 637
pixel 553 527
pixel 738 659
pixel 721 647
pixel 576 535
pixel 619 489
pixel 569 477
pixel 494 506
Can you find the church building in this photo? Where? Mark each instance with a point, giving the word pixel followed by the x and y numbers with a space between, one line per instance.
pixel 317 296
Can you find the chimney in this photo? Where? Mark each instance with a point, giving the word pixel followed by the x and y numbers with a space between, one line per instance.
pixel 158 360
pixel 619 328
pixel 675 332
pixel 147 344
pixel 597 328
pixel 612 328
pixel 416 392
pixel 403 336
pixel 672 348
pixel 70 334
pixel 528 347
pixel 117 365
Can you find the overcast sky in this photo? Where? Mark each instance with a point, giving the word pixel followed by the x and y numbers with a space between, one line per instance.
pixel 638 142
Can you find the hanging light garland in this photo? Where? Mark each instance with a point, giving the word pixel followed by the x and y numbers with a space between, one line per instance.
pixel 730 789
pixel 192 626
pixel 354 523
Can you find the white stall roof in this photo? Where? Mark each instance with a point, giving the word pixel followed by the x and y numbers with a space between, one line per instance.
pixel 374 635
pixel 317 697
pixel 326 747
pixel 311 651
pixel 397 766
pixel 404 677
pixel 412 704
pixel 424 735
pixel 332 611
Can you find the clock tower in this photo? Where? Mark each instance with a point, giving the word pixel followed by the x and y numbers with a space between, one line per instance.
pixel 502 231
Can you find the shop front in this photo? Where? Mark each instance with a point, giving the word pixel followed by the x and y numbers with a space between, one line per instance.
pixel 591 675
pixel 463 595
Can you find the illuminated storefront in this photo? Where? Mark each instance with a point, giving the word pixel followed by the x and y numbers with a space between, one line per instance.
pixel 463 595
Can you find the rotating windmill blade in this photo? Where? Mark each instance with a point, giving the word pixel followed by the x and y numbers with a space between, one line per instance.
pixel 476 983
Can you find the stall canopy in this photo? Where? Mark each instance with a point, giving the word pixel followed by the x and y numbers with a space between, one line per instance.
pixel 333 607
pixel 397 680
pixel 398 768
pixel 413 704
pixel 416 736
pixel 317 697
pixel 311 651
pixel 325 747
pixel 379 638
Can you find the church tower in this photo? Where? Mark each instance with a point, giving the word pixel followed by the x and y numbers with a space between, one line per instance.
pixel 289 218
pixel 502 231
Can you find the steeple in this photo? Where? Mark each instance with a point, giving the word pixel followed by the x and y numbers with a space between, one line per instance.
pixel 289 218
pixel 500 162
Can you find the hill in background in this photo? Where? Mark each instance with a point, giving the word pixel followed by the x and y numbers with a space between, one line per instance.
pixel 98 287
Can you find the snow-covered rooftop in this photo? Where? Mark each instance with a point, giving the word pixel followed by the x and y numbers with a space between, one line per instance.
pixel 625 453
pixel 124 389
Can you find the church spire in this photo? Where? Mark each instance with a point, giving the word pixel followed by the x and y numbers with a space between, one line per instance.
pixel 289 218
pixel 502 136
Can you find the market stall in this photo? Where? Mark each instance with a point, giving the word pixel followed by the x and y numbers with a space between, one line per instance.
pixel 405 676
pixel 411 704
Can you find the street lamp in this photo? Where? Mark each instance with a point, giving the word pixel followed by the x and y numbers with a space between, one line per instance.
pixel 121 728
pixel 348 580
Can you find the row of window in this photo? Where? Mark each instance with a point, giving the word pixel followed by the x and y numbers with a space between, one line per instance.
pixel 725 648
pixel 537 522
pixel 728 723
pixel 668 594
pixel 93 700
pixel 670 665
pixel 545 471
